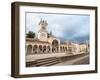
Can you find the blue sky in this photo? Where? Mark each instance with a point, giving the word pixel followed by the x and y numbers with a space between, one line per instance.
pixel 68 26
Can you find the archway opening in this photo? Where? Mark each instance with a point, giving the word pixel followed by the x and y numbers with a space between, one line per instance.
pixel 29 49
pixel 48 49
pixel 55 46
pixel 40 49
pixel 35 49
pixel 44 49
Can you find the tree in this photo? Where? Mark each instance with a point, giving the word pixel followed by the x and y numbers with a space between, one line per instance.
pixel 30 34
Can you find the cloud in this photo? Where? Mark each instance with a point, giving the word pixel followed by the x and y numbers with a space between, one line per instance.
pixel 64 26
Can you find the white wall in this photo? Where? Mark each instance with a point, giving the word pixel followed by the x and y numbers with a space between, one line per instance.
pixel 5 41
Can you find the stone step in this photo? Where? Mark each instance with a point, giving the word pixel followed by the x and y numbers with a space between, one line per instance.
pixel 52 63
pixel 47 62
pixel 46 59
pixel 44 62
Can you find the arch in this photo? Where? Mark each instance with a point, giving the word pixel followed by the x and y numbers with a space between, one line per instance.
pixel 40 49
pixel 63 49
pixel 54 43
pixel 57 49
pixel 48 49
pixel 44 49
pixel 29 49
pixel 35 47
pixel 70 49
pixel 66 48
pixel 54 46
pixel 60 49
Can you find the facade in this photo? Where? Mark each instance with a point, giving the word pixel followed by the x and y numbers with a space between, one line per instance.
pixel 84 48
pixel 47 43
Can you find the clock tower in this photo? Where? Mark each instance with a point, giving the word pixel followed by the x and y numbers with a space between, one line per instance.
pixel 42 30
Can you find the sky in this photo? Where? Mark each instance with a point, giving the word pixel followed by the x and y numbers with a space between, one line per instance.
pixel 67 26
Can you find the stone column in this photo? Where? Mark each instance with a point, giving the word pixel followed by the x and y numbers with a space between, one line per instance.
pixel 32 50
pixel 50 49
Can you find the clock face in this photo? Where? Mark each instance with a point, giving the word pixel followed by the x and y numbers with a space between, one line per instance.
pixel 43 35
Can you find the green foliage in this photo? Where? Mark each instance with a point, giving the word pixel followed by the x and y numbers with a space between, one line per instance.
pixel 30 34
